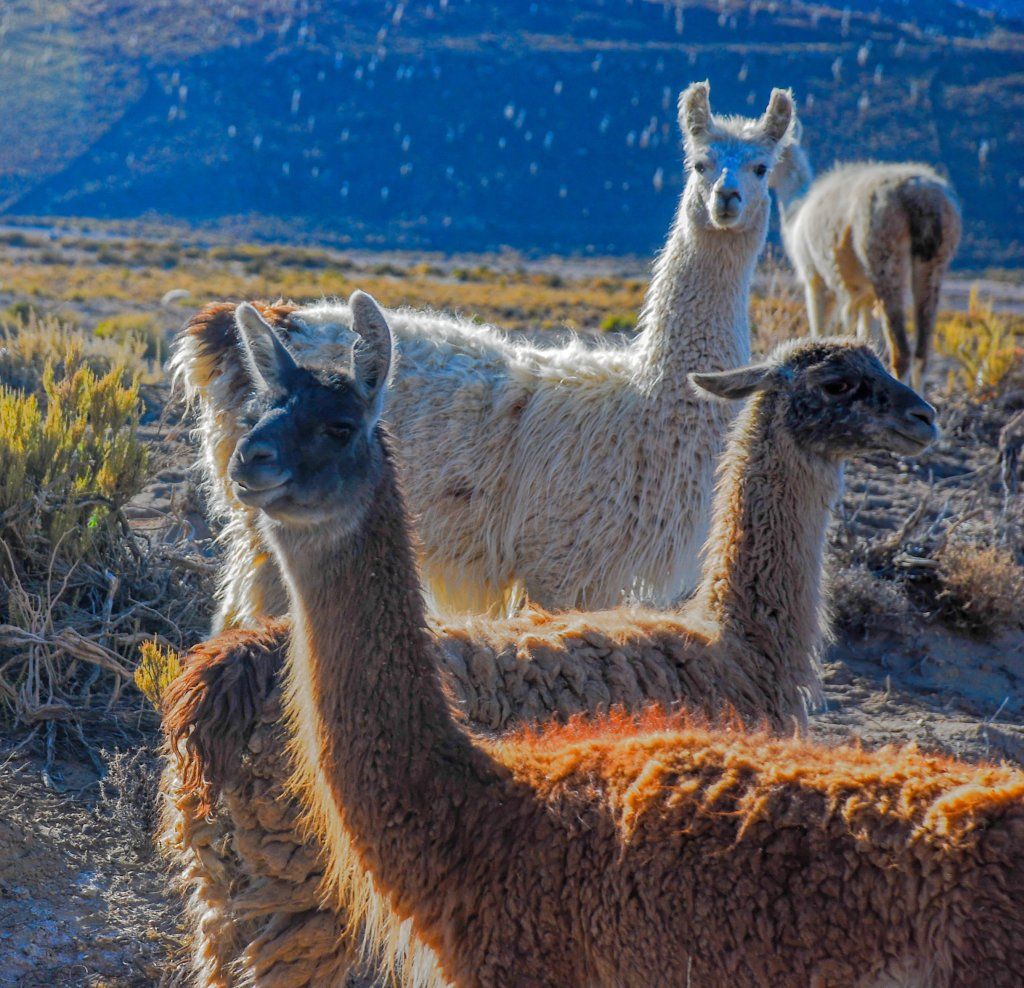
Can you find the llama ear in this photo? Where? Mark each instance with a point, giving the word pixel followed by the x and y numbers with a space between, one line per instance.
pixel 373 353
pixel 796 132
pixel 266 357
pixel 734 384
pixel 695 110
pixel 779 115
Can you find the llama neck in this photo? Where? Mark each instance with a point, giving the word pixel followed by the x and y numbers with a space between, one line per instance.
pixel 695 315
pixel 761 580
pixel 791 180
pixel 376 747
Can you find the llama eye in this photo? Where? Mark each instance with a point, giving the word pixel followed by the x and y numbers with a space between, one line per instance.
pixel 761 170
pixel 339 431
pixel 836 389
pixel 700 167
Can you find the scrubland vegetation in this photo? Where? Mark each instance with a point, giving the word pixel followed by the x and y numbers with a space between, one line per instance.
pixel 106 560
pixel 83 337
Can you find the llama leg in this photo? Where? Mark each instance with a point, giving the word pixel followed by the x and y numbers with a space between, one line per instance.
pixel 818 305
pixel 890 291
pixel 864 323
pixel 889 276
pixel 927 280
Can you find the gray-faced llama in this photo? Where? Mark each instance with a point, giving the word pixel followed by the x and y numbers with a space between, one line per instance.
pixel 573 474
pixel 861 236
pixel 627 851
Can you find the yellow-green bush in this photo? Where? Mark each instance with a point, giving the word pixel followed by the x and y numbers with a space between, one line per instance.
pixel 158 667
pixel 133 329
pixel 28 347
pixel 985 344
pixel 618 322
pixel 67 463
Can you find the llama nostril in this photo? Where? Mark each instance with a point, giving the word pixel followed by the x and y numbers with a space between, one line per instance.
pixel 728 195
pixel 256 453
pixel 922 413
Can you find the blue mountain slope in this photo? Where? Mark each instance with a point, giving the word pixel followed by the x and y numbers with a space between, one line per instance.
pixel 463 125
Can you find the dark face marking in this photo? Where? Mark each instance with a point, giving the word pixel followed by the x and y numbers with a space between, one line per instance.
pixel 840 401
pixel 307 455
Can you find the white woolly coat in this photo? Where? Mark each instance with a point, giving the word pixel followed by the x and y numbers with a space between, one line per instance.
pixel 574 474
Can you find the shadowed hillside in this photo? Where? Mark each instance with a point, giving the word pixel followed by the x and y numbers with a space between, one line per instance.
pixel 463 125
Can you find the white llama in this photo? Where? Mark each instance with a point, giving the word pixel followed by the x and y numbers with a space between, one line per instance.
pixel 862 234
pixel 574 474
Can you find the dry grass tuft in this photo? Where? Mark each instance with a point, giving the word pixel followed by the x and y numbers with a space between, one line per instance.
pixel 29 344
pixel 136 330
pixel 982 587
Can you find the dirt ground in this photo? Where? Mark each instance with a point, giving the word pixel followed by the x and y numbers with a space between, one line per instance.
pixel 84 899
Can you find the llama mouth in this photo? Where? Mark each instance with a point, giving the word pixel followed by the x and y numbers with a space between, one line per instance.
pixel 909 442
pixel 725 220
pixel 255 497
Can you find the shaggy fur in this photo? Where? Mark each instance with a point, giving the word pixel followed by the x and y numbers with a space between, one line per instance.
pixel 502 672
pixel 674 855
pixel 574 474
pixel 862 234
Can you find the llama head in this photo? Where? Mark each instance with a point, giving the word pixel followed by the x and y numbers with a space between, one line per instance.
pixel 311 454
pixel 833 397
pixel 730 159
pixel 792 174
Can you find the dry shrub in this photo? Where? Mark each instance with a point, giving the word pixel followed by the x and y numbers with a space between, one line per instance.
pixel 129 799
pixel 985 345
pixel 862 603
pixel 80 589
pixel 982 587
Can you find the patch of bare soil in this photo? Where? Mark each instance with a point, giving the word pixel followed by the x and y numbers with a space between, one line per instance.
pixel 84 898
pixel 916 660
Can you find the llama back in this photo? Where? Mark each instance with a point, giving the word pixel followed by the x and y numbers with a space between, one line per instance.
pixel 860 191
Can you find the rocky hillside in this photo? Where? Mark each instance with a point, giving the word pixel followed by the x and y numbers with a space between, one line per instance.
pixel 462 125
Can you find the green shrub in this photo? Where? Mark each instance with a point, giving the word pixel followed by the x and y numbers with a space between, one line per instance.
pixel 618 322
pixel 68 463
pixel 158 667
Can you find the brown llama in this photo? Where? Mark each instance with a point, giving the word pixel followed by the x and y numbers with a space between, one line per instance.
pixel 255 912
pixel 657 852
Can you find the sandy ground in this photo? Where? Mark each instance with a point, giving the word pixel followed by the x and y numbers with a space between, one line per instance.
pixel 84 900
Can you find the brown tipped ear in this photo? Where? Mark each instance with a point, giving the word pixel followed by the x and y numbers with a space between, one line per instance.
pixel 373 354
pixel 695 110
pixel 264 354
pixel 779 115
pixel 734 384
